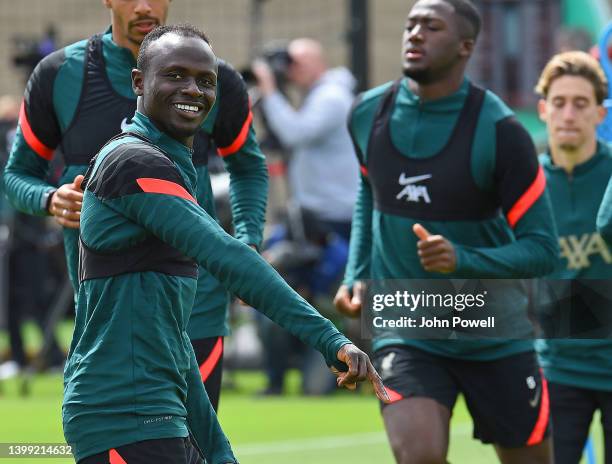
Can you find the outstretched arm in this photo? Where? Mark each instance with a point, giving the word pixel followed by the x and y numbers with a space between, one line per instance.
pixel 151 193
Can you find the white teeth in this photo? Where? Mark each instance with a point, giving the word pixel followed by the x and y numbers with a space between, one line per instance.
pixel 190 108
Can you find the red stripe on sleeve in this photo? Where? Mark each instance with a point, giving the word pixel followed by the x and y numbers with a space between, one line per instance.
pixel 115 458
pixel 364 170
pixel 242 136
pixel 537 435
pixel 150 185
pixel 30 137
pixel 528 198
pixel 209 365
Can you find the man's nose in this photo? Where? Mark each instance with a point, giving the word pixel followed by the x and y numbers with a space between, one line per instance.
pixel 142 7
pixel 416 33
pixel 192 89
pixel 569 112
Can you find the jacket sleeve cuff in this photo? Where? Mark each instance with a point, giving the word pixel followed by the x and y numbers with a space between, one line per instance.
pixel 45 200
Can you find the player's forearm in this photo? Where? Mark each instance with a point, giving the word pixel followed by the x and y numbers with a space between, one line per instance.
pixel 248 192
pixel 239 268
pixel 245 274
pixel 533 254
pixel 358 264
pixel 24 179
pixel 203 422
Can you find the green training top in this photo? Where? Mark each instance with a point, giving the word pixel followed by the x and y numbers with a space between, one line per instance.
pixel 131 374
pixel 584 255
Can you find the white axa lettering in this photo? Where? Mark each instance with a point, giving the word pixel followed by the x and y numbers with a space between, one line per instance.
pixel 577 250
pixel 411 191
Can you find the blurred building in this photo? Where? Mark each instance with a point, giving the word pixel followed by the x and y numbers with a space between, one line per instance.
pixel 518 38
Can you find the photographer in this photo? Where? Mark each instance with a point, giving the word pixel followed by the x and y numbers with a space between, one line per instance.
pixel 323 180
pixel 322 168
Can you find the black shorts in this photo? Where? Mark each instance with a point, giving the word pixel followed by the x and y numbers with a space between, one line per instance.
pixel 572 410
pixel 507 397
pixel 209 354
pixel 161 451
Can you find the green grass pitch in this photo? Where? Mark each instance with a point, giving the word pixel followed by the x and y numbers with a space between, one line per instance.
pixel 345 427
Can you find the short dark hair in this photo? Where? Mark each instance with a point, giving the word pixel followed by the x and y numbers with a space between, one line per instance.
pixel 182 30
pixel 468 11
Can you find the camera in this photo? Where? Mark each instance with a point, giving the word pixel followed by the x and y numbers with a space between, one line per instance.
pixel 278 58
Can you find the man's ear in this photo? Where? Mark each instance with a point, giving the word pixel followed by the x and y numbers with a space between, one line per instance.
pixel 542 109
pixel 466 48
pixel 602 111
pixel 107 3
pixel 138 82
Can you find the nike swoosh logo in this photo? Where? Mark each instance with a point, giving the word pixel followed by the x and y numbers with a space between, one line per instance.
pixel 534 402
pixel 124 124
pixel 403 180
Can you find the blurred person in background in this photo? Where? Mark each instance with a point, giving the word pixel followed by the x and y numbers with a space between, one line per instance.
pixel 79 97
pixel 578 166
pixel 323 181
pixel 322 169
pixel 29 248
pixel 9 112
pixel 569 39
pixel 448 161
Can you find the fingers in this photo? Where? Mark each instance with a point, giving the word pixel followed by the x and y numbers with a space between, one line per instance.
pixel 66 209
pixel 442 267
pixel 66 204
pixel 78 180
pixel 360 368
pixel 346 304
pixel 66 217
pixel 69 194
pixel 357 362
pixel 434 249
pixel 377 383
pixel 420 231
pixel 436 253
pixel 358 290
pixel 59 204
pixel 68 223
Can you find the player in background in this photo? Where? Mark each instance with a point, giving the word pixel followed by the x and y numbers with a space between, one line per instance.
pixel 451 188
pixel 578 166
pixel 79 97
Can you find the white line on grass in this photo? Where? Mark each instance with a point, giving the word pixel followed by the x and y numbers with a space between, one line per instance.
pixel 330 442
pixel 320 443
